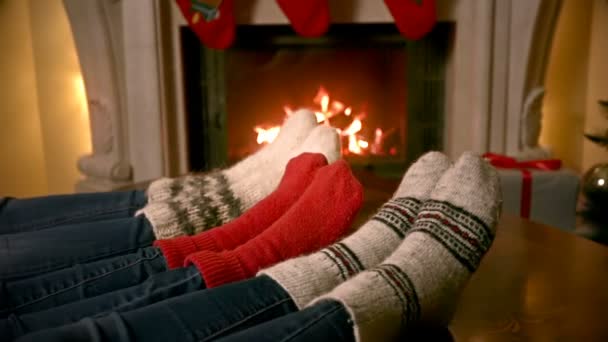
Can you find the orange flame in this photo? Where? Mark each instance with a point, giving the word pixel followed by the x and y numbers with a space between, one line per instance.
pixel 330 108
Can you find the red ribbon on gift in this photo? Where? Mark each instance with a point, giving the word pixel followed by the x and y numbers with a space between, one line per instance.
pixel 505 162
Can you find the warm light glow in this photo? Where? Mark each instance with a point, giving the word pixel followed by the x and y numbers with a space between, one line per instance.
pixel 288 111
pixel 353 128
pixel 357 142
pixel 353 145
pixel 601 182
pixel 320 117
pixel 267 135
pixel 81 96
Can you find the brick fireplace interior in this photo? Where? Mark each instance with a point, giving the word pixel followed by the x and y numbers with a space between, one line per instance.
pixel 384 94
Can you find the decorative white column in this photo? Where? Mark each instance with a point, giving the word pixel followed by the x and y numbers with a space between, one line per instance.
pixel 117 47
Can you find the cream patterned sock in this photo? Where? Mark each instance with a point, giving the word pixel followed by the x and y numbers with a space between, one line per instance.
pixel 420 283
pixel 307 277
pixel 294 131
pixel 225 198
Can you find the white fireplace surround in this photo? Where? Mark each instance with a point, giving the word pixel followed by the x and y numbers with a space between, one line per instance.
pixel 131 64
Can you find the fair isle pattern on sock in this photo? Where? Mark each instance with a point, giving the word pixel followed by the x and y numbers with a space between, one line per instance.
pixel 216 204
pixel 404 290
pixel 165 189
pixel 399 214
pixel 464 235
pixel 345 259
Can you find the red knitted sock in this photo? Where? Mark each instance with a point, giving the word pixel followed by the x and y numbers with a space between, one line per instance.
pixel 299 173
pixel 216 33
pixel 414 18
pixel 309 18
pixel 322 214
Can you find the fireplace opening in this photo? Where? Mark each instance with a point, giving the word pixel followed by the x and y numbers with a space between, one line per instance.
pixel 384 94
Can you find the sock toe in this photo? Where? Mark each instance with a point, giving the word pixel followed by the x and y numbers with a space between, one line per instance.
pixel 422 176
pixel 473 185
pixel 324 140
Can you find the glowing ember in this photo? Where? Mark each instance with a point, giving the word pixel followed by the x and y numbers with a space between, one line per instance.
pixel 356 144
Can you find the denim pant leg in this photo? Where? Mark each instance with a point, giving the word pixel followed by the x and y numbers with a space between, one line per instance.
pixel 324 321
pixel 30 254
pixel 204 315
pixel 157 287
pixel 81 281
pixel 30 214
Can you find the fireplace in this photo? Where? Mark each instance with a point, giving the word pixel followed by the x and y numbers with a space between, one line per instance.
pixel 385 95
pixel 133 57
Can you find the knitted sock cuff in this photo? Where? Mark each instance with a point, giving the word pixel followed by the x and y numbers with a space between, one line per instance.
pixel 176 250
pixel 161 190
pixel 216 268
pixel 205 242
pixel 170 219
pixel 294 276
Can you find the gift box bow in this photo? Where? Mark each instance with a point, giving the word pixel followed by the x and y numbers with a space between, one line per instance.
pixel 506 162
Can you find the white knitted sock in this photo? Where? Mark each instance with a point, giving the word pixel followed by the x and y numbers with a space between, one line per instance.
pixel 307 277
pixel 294 131
pixel 421 281
pixel 221 200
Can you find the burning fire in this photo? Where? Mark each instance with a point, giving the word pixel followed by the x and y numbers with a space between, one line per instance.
pixel 356 143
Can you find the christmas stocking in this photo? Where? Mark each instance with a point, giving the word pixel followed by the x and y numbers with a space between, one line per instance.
pixel 414 18
pixel 211 20
pixel 309 18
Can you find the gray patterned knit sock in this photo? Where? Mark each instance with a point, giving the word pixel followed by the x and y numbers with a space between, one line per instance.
pixel 307 277
pixel 294 131
pixel 421 281
pixel 221 199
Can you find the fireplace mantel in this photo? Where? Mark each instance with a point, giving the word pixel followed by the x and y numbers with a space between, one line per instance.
pixel 130 60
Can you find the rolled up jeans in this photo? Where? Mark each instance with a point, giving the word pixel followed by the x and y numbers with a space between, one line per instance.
pixel 31 214
pixel 203 315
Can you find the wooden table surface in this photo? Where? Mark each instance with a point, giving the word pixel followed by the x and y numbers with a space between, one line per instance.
pixel 536 283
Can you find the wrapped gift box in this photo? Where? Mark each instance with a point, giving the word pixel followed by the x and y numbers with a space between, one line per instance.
pixel 552 198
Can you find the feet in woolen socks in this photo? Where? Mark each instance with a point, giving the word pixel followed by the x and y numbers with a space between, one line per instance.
pixel 299 173
pixel 420 283
pixel 307 277
pixel 294 132
pixel 322 214
pixel 228 200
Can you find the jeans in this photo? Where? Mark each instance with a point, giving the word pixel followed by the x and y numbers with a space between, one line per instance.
pixel 198 316
pixel 30 214
pixel 157 287
pixel 79 282
pixel 33 253
pixel 325 321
